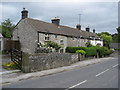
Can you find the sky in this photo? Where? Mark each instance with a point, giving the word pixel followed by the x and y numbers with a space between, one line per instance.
pixel 102 16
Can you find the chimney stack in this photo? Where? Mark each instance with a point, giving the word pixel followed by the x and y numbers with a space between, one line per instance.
pixel 93 30
pixel 24 13
pixel 87 29
pixel 56 21
pixel 78 26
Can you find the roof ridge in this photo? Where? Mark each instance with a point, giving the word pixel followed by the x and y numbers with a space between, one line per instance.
pixel 45 27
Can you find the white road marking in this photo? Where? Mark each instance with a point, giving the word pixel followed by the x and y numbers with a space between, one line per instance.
pixel 115 65
pixel 77 84
pixel 102 72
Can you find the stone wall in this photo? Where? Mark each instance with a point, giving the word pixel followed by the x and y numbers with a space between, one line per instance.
pixel 44 61
pixel 27 36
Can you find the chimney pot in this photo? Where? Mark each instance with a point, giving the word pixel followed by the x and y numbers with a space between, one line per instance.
pixel 56 21
pixel 78 26
pixel 24 13
pixel 87 29
pixel 93 30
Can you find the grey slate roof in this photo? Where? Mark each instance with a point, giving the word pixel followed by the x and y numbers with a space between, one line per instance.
pixel 45 27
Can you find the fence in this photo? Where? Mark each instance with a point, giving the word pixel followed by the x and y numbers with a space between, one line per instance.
pixel 16 57
pixel 11 44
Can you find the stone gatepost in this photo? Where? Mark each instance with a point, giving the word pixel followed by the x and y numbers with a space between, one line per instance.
pixel 25 62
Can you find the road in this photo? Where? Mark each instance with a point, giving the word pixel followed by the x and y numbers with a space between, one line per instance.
pixel 100 75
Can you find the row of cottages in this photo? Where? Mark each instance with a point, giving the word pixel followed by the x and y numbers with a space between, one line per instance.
pixel 30 32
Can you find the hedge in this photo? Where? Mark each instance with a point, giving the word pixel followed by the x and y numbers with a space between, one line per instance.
pixel 91 51
pixel 81 52
pixel 74 49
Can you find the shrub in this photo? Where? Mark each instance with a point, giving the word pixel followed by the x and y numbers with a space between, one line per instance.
pixel 74 49
pixel 118 49
pixel 12 65
pixel 91 51
pixel 53 45
pixel 81 52
pixel 88 44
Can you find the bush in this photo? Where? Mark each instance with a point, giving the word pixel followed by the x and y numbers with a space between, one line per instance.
pixel 74 49
pixel 88 44
pixel 11 65
pixel 118 49
pixel 3 52
pixel 81 52
pixel 91 51
pixel 53 45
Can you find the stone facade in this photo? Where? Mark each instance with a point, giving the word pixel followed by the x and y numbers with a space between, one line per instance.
pixel 29 37
pixel 45 61
pixel 61 40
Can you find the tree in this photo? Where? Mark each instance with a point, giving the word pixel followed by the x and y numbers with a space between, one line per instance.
pixel 107 38
pixel 118 30
pixel 115 38
pixel 106 33
pixel 7 28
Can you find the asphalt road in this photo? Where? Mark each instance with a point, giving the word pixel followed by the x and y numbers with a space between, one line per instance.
pixel 100 75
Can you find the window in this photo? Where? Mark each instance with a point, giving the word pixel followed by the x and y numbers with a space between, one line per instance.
pixel 61 50
pixel 47 37
pixel 61 41
pixel 56 36
pixel 73 38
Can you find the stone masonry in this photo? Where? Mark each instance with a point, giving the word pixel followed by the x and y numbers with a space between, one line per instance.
pixel 44 61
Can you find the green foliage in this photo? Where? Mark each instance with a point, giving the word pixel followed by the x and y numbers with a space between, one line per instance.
pixel 6 28
pixel 106 33
pixel 88 44
pixel 81 52
pixel 74 49
pixel 53 45
pixel 107 38
pixel 118 30
pixel 3 52
pixel 118 49
pixel 103 51
pixel 91 51
pixel 115 38
pixel 12 65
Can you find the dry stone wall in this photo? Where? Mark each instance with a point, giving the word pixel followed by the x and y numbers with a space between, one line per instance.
pixel 44 61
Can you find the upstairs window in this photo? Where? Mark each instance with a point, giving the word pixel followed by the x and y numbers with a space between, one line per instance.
pixel 61 41
pixel 47 37
pixel 55 36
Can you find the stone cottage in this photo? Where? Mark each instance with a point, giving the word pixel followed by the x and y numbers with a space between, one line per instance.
pixel 30 32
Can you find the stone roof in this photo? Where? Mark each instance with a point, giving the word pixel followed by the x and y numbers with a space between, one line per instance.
pixel 45 27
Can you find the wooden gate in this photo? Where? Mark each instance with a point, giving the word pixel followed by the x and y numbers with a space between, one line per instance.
pixel 16 57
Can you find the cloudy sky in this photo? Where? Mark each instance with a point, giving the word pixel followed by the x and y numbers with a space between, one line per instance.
pixel 103 16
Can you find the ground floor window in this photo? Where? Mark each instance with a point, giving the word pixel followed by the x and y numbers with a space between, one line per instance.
pixel 61 50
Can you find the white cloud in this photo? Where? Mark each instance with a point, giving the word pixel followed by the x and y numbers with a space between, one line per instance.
pixel 97 15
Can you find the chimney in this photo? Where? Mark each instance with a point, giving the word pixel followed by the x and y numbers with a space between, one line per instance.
pixel 24 13
pixel 87 29
pixel 78 26
pixel 93 30
pixel 56 21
